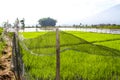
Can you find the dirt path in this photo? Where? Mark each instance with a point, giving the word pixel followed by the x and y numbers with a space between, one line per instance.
pixel 5 62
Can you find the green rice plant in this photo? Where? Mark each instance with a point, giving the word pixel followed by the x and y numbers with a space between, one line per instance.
pixel 31 34
pixel 84 56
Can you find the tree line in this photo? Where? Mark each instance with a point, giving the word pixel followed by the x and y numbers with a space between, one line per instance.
pixel 43 22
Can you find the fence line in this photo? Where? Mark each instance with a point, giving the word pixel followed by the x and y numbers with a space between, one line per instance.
pixel 17 63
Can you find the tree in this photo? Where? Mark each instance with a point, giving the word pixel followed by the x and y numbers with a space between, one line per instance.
pixel 23 23
pixel 5 24
pixel 80 24
pixel 47 22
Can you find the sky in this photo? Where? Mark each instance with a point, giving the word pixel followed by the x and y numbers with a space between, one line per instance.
pixel 66 12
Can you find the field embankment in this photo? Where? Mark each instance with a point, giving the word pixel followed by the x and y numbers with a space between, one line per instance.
pixel 5 57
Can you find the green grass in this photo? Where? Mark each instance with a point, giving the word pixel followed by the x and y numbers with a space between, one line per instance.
pixel 91 36
pixel 84 55
pixel 32 34
pixel 2 43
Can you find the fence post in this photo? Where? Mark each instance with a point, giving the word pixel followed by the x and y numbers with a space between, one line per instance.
pixel 16 52
pixel 16 58
pixel 57 55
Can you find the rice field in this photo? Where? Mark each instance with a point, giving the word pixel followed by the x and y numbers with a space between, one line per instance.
pixel 84 55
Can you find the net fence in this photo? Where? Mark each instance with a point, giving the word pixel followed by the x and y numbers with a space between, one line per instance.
pixel 80 59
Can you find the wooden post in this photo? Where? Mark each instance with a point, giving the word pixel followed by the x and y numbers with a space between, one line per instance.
pixel 16 53
pixel 57 55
